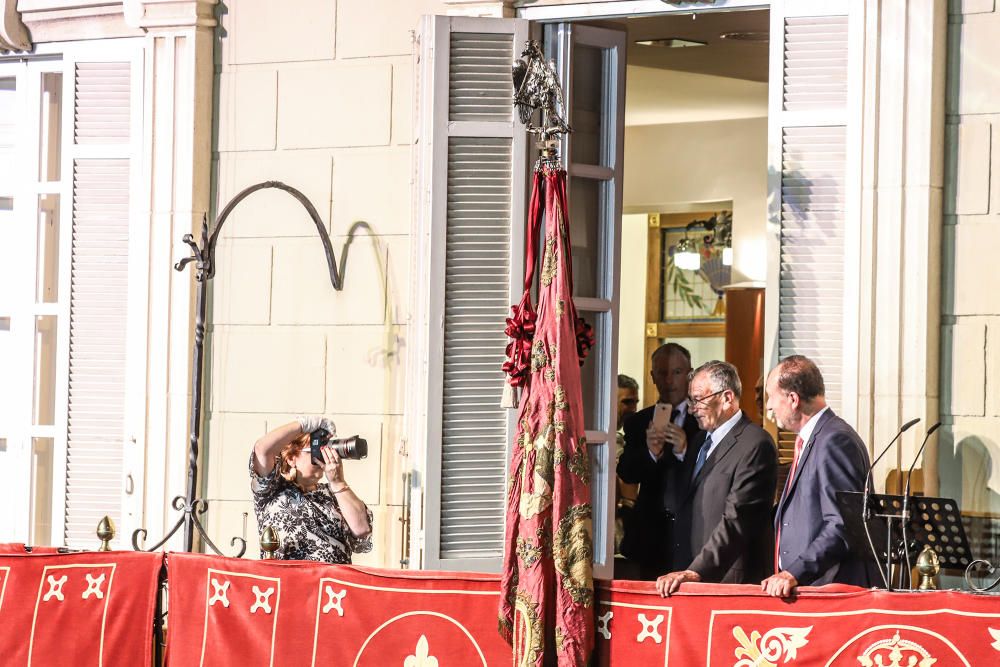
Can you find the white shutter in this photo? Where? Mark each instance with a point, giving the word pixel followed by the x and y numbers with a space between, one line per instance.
pixel 101 157
pixel 809 145
pixel 468 253
pixel 97 327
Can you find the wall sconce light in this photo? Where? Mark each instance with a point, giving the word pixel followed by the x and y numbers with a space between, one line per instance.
pixel 717 240
pixel 686 255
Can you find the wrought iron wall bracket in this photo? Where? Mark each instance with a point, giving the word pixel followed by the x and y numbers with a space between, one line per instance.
pixel 203 257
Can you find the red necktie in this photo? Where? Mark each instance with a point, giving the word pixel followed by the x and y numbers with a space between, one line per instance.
pixel 799 444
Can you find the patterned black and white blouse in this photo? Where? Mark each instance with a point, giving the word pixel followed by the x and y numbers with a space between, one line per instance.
pixel 310 525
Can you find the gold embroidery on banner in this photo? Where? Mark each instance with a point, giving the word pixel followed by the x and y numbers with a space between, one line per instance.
pixel 549 261
pixel 528 552
pixel 579 462
pixel 536 482
pixel 896 652
pixel 573 552
pixel 560 399
pixel 528 636
pixel 549 374
pixel 765 650
pixel 539 357
pixel 560 308
pixel 559 639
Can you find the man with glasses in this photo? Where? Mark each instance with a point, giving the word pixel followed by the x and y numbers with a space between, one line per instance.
pixel 723 526
pixel 625 494
pixel 655 455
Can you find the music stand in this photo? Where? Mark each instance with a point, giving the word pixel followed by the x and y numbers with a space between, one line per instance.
pixel 932 522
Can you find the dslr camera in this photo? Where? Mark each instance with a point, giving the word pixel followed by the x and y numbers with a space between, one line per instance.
pixel 353 448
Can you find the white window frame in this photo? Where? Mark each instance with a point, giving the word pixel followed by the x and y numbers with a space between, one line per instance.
pixel 61 58
pixel 561 38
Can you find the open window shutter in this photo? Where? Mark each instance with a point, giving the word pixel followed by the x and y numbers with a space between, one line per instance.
pixel 471 236
pixel 808 182
pixel 808 161
pixel 100 157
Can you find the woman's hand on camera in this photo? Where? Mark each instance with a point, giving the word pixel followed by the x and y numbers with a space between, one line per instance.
pixel 333 469
pixel 309 423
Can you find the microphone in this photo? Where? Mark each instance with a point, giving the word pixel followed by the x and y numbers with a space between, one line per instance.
pixel 906 495
pixel 865 513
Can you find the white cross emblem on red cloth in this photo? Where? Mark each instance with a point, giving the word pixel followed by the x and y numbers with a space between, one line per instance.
pixel 94 587
pixel 604 624
pixel 55 588
pixel 330 604
pixel 263 600
pixel 650 629
pixel 220 594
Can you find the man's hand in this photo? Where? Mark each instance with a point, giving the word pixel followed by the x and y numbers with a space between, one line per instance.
pixel 677 439
pixel 656 439
pixel 779 585
pixel 669 583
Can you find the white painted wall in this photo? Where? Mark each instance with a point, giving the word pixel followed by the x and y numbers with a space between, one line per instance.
pixel 667 167
pixel 969 450
pixel 325 105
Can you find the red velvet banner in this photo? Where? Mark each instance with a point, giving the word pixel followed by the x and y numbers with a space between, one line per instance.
pixel 838 626
pixel 247 613
pixel 240 613
pixel 77 609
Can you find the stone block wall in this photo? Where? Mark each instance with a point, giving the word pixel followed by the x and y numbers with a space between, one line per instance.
pixel 969 451
pixel 317 94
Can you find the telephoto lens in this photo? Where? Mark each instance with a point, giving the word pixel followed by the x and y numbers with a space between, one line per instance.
pixel 353 448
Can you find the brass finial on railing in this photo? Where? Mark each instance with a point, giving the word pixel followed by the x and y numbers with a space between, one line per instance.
pixel 928 566
pixel 105 533
pixel 269 542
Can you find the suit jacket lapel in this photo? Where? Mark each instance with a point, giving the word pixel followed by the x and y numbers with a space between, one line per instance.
pixel 806 452
pixel 719 452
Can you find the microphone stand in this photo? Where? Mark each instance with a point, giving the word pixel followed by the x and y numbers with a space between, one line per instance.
pixel 906 503
pixel 866 514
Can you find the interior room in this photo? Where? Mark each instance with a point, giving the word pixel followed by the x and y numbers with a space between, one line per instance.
pixel 695 167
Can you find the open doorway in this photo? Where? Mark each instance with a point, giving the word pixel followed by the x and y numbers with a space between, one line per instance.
pixel 695 175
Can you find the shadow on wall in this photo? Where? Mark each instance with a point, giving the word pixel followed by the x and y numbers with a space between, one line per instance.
pixel 966 470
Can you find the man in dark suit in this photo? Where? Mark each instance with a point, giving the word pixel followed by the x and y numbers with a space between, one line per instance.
pixel 811 545
pixel 652 458
pixel 723 526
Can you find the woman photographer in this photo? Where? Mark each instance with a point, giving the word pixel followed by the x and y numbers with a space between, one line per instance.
pixel 315 521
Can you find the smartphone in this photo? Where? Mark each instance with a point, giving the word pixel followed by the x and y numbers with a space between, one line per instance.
pixel 661 414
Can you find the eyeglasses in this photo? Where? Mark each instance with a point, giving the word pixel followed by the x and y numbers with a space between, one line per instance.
pixel 704 399
pixel 630 401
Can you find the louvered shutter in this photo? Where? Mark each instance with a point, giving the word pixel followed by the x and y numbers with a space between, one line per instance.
pixel 809 139
pixel 471 232
pixel 101 160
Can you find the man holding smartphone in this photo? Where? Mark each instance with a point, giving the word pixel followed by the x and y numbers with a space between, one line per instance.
pixel 661 446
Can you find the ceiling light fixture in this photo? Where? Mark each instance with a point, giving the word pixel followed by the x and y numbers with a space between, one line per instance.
pixel 670 43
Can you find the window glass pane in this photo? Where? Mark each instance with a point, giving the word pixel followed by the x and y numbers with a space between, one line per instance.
pixel 50 127
pixel 592 376
pixel 41 491
pixel 8 116
pixel 586 207
pixel 45 371
pixel 587 116
pixel 47 268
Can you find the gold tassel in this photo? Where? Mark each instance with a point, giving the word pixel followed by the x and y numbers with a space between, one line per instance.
pixel 509 397
pixel 720 308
